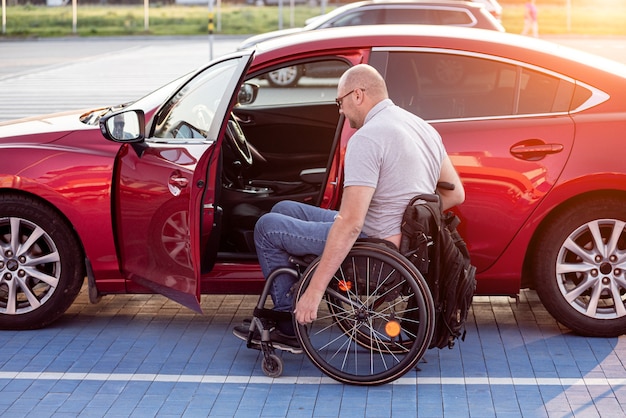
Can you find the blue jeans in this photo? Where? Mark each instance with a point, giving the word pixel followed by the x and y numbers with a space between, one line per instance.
pixel 291 228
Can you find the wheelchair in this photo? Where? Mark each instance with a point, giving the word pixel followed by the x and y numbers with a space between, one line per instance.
pixel 374 323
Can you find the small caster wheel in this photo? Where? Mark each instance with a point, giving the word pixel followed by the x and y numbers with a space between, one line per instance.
pixel 272 365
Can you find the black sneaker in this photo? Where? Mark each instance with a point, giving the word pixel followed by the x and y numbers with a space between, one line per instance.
pixel 279 340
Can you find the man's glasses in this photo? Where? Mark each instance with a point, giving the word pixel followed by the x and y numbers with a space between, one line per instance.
pixel 339 100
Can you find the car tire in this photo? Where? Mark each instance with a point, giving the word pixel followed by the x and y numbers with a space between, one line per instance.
pixel 285 77
pixel 41 264
pixel 578 268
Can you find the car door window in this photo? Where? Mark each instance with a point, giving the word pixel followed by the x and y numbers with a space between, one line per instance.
pixel 452 86
pixel 298 84
pixel 190 115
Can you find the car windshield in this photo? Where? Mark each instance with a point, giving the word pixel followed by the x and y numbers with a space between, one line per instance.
pixel 149 101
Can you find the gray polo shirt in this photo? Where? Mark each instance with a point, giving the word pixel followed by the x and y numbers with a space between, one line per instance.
pixel 398 154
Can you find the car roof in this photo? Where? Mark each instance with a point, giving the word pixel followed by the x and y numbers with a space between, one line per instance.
pixel 507 45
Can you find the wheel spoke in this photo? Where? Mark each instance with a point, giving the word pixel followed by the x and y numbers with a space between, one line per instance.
pixel 594 298
pixel 46 278
pixel 32 239
pixel 564 268
pixel 598 243
pixel 585 255
pixel 612 244
pixel 15 234
pixel 11 297
pixel 177 249
pixel 30 296
pixel 620 310
pixel 52 257
pixel 619 282
pixel 582 287
pixel 180 225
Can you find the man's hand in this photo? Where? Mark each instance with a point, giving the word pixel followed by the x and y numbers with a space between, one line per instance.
pixel 306 308
pixel 345 230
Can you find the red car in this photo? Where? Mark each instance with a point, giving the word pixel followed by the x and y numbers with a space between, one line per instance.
pixel 161 195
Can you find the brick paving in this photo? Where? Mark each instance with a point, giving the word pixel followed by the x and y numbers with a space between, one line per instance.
pixel 143 355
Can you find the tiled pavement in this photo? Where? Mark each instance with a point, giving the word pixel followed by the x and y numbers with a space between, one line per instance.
pixel 143 355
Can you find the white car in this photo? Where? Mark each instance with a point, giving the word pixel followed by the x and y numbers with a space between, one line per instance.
pixel 379 12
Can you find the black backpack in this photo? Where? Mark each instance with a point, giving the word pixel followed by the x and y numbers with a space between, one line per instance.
pixel 432 243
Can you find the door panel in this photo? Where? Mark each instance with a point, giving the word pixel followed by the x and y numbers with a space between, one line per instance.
pixel 290 139
pixel 503 187
pixel 166 207
pixel 154 229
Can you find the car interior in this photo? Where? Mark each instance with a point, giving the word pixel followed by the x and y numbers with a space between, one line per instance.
pixel 289 132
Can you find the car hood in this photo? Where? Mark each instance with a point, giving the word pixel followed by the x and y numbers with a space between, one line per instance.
pixel 44 129
pixel 253 40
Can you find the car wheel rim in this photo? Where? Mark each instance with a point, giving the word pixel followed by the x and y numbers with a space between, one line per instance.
pixel 590 269
pixel 175 238
pixel 30 266
pixel 284 76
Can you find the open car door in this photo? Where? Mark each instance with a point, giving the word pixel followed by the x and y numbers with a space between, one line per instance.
pixel 165 184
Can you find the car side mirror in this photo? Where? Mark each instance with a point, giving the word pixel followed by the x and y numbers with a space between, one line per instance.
pixel 247 93
pixel 127 126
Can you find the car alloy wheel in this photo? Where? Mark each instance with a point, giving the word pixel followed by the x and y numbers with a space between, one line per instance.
pixel 580 268
pixel 41 270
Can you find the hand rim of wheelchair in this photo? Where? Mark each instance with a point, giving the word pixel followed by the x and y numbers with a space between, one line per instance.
pixel 359 311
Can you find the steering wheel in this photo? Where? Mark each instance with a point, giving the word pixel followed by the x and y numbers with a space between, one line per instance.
pixel 237 142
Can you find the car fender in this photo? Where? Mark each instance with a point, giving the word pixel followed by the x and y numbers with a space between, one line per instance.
pixel 508 274
pixel 58 178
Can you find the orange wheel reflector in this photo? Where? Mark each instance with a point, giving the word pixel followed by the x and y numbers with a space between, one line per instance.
pixel 392 328
pixel 344 286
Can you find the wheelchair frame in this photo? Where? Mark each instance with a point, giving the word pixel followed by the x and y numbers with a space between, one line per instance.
pixel 375 322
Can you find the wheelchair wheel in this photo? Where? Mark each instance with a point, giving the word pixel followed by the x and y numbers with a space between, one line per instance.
pixel 272 365
pixel 376 319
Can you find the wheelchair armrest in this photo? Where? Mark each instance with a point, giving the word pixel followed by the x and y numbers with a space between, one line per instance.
pixel 302 261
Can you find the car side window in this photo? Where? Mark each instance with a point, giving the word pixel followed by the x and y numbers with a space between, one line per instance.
pixel 542 93
pixel 455 17
pixel 301 83
pixel 428 16
pixel 450 86
pixel 356 18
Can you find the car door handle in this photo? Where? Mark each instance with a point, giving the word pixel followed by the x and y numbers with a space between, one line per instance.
pixel 534 150
pixel 178 181
pixel 245 119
